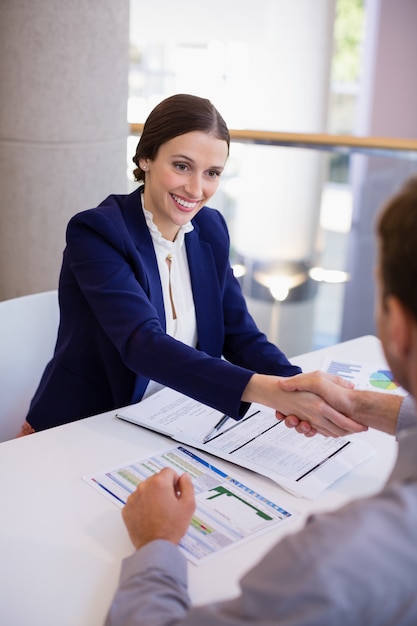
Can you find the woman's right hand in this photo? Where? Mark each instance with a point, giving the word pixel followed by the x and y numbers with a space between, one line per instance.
pixel 320 402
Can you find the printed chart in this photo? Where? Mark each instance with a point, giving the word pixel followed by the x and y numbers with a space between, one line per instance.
pixel 227 511
pixel 367 376
pixel 384 380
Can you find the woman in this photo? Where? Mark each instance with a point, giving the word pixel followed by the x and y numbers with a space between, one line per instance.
pixel 148 298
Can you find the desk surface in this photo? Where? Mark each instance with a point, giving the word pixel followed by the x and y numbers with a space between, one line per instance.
pixel 61 542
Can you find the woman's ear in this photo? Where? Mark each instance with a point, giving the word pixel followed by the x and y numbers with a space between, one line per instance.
pixel 143 164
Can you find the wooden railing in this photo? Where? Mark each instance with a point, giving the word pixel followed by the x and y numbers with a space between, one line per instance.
pixel 313 140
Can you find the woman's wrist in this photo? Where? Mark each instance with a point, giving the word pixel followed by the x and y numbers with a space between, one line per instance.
pixel 262 389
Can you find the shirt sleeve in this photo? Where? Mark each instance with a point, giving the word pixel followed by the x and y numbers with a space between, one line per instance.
pixel 152 587
pixel 334 571
pixel 407 416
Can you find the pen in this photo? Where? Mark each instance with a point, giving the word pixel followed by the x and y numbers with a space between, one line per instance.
pixel 213 431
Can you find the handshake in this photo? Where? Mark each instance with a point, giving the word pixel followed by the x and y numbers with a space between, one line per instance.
pixel 317 402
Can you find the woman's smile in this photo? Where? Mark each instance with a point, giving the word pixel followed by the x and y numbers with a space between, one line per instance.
pixel 184 204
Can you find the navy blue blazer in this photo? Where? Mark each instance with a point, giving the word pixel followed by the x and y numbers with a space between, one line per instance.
pixel 111 337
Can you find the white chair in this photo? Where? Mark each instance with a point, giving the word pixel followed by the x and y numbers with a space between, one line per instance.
pixel 28 331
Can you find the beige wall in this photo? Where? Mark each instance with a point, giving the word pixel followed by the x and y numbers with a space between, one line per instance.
pixel 63 128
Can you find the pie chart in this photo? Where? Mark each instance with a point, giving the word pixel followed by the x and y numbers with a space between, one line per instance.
pixel 383 379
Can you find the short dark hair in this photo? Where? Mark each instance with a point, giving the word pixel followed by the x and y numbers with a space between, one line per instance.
pixel 397 231
pixel 174 116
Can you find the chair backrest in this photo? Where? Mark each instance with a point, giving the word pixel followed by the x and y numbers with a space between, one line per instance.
pixel 28 331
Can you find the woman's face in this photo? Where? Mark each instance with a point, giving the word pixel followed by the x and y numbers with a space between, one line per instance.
pixel 182 178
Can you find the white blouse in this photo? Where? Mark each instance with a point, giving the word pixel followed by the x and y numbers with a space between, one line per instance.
pixel 176 287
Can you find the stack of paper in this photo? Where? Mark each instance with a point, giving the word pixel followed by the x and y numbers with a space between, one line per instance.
pixel 259 442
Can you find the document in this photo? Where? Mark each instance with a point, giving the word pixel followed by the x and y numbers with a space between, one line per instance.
pixel 365 376
pixel 227 512
pixel 259 442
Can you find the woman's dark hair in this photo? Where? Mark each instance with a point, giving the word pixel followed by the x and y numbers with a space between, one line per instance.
pixel 397 232
pixel 176 116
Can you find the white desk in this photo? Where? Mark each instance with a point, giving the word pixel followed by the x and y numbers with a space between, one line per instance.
pixel 61 542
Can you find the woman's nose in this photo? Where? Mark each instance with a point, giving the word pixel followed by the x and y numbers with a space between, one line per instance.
pixel 194 186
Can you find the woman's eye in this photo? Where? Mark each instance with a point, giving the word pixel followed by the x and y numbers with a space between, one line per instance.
pixel 213 173
pixel 181 166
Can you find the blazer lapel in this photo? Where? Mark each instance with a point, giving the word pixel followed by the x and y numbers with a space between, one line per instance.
pixel 141 237
pixel 206 293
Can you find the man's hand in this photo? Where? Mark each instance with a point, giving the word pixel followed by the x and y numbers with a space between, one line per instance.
pixel 309 397
pixel 332 389
pixel 372 409
pixel 161 508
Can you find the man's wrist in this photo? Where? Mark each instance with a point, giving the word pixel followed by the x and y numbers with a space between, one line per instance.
pixel 376 410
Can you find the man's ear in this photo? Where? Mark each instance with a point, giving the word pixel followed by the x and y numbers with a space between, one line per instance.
pixel 399 327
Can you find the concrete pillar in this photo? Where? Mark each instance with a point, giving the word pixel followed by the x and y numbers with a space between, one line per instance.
pixel 63 127
pixel 387 107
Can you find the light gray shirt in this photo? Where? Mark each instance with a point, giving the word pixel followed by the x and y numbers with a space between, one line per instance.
pixel 355 566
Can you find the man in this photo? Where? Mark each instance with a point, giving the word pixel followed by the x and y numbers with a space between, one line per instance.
pixel 357 565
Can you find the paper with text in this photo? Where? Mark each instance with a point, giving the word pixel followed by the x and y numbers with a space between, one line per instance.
pixel 258 442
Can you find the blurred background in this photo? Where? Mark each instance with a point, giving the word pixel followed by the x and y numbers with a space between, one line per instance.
pixel 321 100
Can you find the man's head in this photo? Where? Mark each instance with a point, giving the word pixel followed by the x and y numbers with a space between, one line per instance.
pixel 396 309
